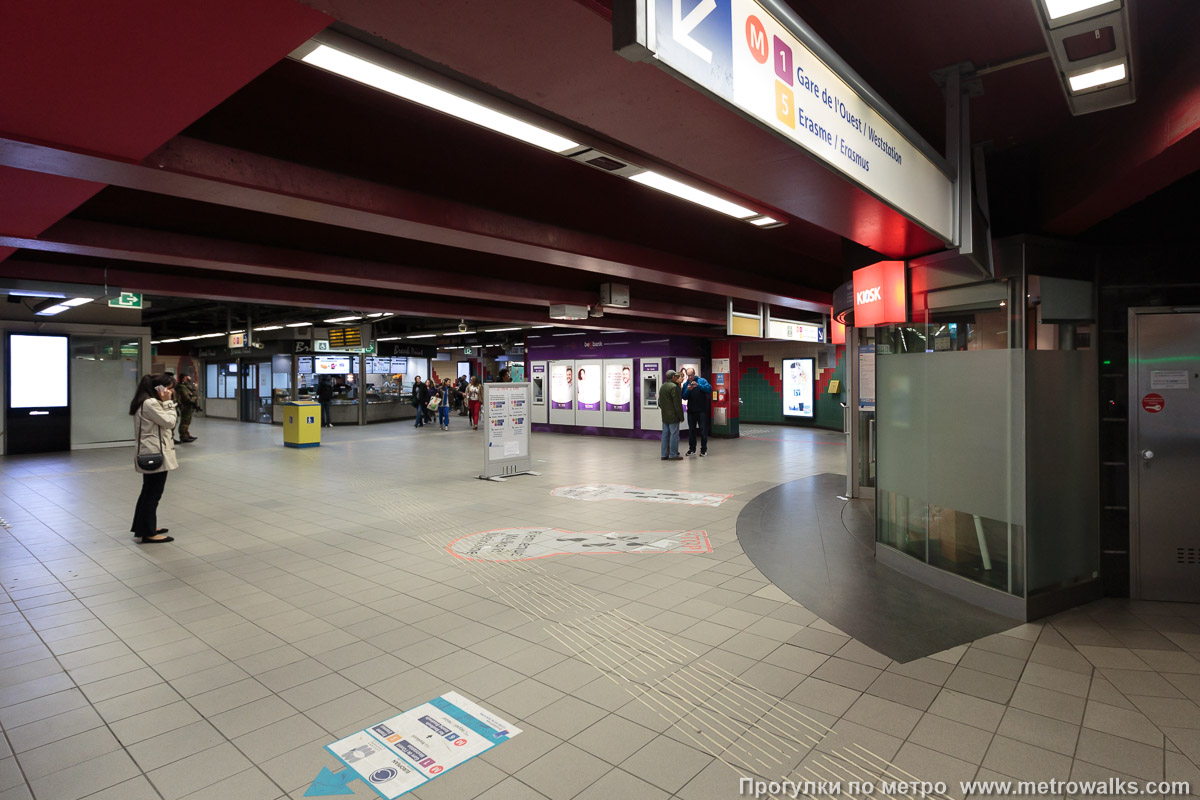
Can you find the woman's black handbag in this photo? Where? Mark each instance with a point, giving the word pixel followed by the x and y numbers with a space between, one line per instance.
pixel 150 462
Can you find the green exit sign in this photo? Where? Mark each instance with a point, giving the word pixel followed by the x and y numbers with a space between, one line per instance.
pixel 467 351
pixel 126 300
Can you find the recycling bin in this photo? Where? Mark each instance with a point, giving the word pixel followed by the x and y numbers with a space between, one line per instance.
pixel 301 424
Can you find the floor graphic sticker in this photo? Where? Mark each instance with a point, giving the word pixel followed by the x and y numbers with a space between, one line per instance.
pixel 411 749
pixel 615 491
pixel 527 544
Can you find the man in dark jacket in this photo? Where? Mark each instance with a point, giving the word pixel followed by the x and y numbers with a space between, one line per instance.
pixel 325 397
pixel 670 406
pixel 698 394
pixel 187 399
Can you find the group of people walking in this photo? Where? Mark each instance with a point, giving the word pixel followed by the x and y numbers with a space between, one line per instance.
pixel 430 399
pixel 697 391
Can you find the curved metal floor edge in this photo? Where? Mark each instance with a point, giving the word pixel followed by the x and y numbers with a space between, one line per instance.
pixel 794 535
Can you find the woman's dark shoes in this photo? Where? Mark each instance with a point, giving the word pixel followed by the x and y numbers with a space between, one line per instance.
pixel 161 531
pixel 149 540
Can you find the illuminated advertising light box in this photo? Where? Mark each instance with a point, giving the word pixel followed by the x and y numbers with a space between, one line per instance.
pixel 795 331
pixel 880 294
pixel 798 387
pixel 589 387
pixel 331 365
pixel 304 365
pixel 561 386
pixel 37 371
pixel 618 382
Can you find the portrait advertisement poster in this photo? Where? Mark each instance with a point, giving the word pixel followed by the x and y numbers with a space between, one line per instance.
pixel 516 371
pixel 507 421
pixel 798 387
pixel 562 386
pixel 618 385
pixel 589 385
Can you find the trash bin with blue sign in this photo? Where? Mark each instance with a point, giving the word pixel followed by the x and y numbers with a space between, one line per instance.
pixel 301 424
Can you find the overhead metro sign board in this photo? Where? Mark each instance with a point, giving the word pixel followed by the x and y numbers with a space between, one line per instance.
pixel 739 52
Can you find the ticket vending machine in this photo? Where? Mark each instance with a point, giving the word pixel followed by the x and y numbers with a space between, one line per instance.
pixel 562 392
pixel 618 393
pixel 539 387
pixel 589 392
pixel 651 374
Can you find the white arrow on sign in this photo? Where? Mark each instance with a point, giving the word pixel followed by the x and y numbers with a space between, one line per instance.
pixel 682 27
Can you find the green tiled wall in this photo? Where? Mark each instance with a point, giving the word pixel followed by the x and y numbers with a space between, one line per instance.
pixel 762 403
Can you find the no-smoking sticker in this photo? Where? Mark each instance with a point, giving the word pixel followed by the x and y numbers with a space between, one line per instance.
pixel 1153 403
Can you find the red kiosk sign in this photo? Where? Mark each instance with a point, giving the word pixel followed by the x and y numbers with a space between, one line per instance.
pixel 880 294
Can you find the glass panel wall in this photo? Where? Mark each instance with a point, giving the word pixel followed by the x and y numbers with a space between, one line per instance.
pixel 105 371
pixel 951 424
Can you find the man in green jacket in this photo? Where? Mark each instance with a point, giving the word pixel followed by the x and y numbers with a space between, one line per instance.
pixel 670 405
pixel 188 400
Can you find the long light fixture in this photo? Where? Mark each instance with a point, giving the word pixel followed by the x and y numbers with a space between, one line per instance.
pixel 344 319
pixel 499 330
pixel 379 77
pixel 297 325
pixel 355 61
pixel 49 308
pixel 1058 9
pixel 458 333
pixel 692 194
pixel 269 328
pixel 1094 78
pixel 422 336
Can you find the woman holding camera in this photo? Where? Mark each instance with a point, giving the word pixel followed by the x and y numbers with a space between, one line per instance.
pixel 154 415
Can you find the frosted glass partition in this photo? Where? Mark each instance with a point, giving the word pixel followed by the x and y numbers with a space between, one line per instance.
pixel 951 461
pixel 105 371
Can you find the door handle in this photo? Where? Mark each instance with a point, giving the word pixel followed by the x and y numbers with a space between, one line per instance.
pixel 1147 455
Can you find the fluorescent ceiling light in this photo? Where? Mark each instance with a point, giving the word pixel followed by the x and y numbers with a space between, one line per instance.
pixel 581 333
pixel 542 326
pixel 77 301
pixel 188 338
pixel 423 336
pixel 269 328
pixel 1113 73
pixel 50 311
pixel 458 333
pixel 1062 8
pixel 155 341
pixel 499 330
pixel 167 341
pixel 297 324
pixel 364 71
pixel 692 194
pixel 763 221
pixel 389 338
pixel 213 335
pixel 343 319
pixel 34 293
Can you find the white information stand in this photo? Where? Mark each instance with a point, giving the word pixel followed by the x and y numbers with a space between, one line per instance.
pixel 562 392
pixel 506 423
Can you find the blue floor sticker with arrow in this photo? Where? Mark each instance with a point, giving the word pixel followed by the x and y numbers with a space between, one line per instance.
pixel 410 749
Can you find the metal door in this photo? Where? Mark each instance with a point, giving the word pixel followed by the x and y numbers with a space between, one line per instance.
pixel 1164 454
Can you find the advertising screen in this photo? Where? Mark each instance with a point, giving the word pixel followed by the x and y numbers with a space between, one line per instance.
pixel 798 387
pixel 304 365
pixel 463 368
pixel 618 384
pixel 37 371
pixel 399 365
pixel 589 387
pixel 331 365
pixel 561 389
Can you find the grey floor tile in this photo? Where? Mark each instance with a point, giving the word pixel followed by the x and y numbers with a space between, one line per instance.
pixel 563 772
pixel 1025 761
pixel 666 763
pixel 1044 732
pixel 195 772
pixel 908 691
pixel 67 752
pixel 566 717
pixel 981 684
pixel 613 739
pixel 87 778
pixel 1123 755
pixel 970 710
pixel 1122 722
pixel 883 715
pixel 1049 703
pixel 171 746
pixel 956 739
pixel 619 783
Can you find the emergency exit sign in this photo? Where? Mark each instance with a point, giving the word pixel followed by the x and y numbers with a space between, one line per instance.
pixel 126 300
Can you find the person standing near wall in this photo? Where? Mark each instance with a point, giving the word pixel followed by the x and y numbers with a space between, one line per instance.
pixel 698 393
pixel 154 417
pixel 325 397
pixel 670 405
pixel 188 400
pixel 474 400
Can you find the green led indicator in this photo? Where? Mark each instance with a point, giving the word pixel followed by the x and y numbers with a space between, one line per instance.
pixel 1107 363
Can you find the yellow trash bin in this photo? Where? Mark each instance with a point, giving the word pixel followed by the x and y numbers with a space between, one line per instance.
pixel 301 424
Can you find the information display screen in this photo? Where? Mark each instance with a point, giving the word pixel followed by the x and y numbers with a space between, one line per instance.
pixel 331 365
pixel 304 365
pixel 37 371
pixel 618 385
pixel 561 388
pixel 589 385
pixel 798 387
pixel 399 365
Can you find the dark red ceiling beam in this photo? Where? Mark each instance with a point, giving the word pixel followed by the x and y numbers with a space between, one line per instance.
pixel 235 288
pixel 101 240
pixel 209 173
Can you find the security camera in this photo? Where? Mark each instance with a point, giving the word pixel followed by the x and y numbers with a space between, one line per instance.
pixel 257 345
pixel 462 326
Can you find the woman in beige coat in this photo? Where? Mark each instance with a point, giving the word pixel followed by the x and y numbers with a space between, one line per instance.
pixel 154 415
